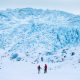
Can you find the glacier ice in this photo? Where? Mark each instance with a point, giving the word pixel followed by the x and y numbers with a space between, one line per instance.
pixel 38 31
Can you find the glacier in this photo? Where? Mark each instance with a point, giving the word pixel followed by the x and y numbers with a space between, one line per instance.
pixel 36 32
pixel 27 35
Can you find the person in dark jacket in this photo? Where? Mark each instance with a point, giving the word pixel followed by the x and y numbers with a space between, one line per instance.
pixel 42 59
pixel 39 68
pixel 45 68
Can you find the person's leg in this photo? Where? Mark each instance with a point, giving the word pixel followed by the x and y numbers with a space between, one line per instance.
pixel 38 71
pixel 45 70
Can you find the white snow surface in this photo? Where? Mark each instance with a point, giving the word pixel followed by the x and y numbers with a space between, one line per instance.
pixel 28 71
pixel 69 69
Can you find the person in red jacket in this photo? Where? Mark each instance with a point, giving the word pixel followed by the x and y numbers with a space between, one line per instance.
pixel 45 68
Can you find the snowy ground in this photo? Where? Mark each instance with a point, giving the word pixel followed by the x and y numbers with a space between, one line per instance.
pixel 27 71
pixel 21 70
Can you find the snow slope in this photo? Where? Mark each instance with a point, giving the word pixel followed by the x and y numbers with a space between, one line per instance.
pixel 68 69
pixel 23 71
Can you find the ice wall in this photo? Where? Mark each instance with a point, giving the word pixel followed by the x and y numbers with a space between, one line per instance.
pixel 35 31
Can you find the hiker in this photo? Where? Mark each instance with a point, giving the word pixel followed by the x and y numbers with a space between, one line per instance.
pixel 45 68
pixel 42 59
pixel 38 69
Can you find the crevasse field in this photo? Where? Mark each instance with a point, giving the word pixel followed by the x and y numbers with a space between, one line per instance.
pixel 27 35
